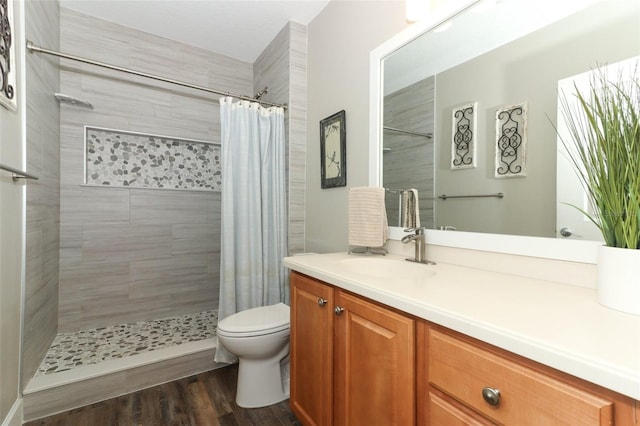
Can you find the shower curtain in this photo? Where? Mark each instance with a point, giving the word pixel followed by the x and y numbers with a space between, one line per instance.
pixel 254 217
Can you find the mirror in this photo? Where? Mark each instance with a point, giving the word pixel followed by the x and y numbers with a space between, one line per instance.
pixel 513 53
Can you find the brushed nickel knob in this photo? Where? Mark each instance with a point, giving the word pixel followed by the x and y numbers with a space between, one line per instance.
pixel 491 396
pixel 338 310
pixel 321 302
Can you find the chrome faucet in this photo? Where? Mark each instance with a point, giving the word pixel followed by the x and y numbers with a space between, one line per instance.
pixel 420 245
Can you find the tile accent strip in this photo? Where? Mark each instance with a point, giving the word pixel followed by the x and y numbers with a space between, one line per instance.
pixel 128 159
pixel 87 347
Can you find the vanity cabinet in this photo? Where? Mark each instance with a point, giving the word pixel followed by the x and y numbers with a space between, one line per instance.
pixel 357 362
pixel 352 360
pixel 462 381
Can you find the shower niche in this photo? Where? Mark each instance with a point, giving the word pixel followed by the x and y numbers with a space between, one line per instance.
pixel 138 160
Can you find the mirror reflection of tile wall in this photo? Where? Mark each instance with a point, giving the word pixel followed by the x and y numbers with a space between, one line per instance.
pixel 408 159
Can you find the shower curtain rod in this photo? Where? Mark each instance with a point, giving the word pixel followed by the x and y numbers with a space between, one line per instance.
pixel 33 48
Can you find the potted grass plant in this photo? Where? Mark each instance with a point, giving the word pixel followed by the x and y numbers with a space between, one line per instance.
pixel 603 145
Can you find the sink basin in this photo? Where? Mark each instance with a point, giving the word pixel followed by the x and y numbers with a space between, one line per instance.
pixel 387 268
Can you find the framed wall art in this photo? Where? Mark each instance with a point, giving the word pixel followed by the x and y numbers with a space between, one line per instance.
pixel 7 57
pixel 333 151
pixel 511 141
pixel 463 136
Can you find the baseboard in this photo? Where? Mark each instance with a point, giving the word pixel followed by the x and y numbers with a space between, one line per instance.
pixel 50 394
pixel 14 416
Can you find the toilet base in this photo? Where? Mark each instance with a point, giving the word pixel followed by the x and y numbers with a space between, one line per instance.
pixel 260 382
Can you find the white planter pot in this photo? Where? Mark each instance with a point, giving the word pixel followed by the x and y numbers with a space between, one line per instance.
pixel 619 279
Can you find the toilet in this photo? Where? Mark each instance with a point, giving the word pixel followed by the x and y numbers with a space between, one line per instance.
pixel 259 337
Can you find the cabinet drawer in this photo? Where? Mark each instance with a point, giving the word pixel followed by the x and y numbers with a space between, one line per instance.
pixel 443 412
pixel 527 397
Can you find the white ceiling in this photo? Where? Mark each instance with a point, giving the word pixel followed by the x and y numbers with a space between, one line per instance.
pixel 237 28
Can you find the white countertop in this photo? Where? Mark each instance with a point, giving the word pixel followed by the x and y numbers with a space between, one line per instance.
pixel 558 325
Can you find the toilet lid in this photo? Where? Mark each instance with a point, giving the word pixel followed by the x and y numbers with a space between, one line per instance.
pixel 256 321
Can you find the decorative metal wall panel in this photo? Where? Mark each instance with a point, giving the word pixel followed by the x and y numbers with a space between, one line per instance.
pixel 511 141
pixel 463 139
pixel 127 159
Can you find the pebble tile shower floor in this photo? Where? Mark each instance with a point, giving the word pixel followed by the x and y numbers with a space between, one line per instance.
pixel 86 347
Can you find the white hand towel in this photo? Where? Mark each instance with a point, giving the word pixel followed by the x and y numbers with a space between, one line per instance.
pixel 367 217
pixel 410 209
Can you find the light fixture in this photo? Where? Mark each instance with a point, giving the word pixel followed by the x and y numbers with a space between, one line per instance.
pixel 416 10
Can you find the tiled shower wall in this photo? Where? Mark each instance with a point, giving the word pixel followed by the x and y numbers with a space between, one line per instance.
pixel 139 254
pixel 411 108
pixel 283 68
pixel 43 205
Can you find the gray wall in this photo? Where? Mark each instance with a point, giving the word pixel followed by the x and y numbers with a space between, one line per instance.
pixel 341 38
pixel 408 160
pixel 136 254
pixel 43 196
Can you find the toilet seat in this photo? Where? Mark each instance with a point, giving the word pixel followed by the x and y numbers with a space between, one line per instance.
pixel 256 321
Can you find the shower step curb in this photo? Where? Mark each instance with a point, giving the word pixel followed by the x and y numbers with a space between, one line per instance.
pixel 50 394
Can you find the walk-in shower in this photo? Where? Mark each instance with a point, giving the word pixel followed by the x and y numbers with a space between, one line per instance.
pixel 115 257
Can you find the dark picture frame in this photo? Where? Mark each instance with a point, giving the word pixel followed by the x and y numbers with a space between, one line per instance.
pixel 333 151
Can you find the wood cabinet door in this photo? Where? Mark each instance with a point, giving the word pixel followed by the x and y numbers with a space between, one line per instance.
pixel 374 382
pixel 311 350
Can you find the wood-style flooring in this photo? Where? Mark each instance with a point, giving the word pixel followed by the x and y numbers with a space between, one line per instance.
pixel 205 399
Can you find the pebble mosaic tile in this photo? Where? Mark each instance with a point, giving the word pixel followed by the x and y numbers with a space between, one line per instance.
pixel 87 347
pixel 125 159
